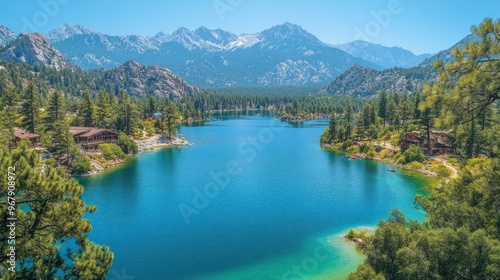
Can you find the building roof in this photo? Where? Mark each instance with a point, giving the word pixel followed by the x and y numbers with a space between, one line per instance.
pixel 88 131
pixel 23 134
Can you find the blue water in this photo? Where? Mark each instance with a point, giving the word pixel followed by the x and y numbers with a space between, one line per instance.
pixel 272 210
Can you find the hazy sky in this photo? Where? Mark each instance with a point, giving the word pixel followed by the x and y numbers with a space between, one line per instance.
pixel 417 25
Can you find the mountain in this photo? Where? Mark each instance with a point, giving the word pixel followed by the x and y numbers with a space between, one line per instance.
pixel 362 81
pixel 386 57
pixel 33 49
pixel 66 31
pixel 281 55
pixel 6 36
pixel 359 81
pixel 445 55
pixel 139 80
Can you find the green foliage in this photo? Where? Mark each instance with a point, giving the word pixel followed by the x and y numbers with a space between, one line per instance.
pixel 104 110
pixel 356 234
pixel 127 114
pixel 31 108
pixel 413 153
pixel 50 214
pixel 467 91
pixel 442 171
pixel 56 110
pixel 80 165
pixel 365 272
pixel 414 165
pixel 460 239
pixel 86 111
pixel 126 144
pixel 111 151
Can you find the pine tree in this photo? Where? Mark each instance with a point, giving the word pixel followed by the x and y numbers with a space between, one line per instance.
pixel 348 116
pixel 128 115
pixel 63 140
pixel 86 109
pixel 382 106
pixel 104 111
pixel 56 110
pixel 31 108
pixel 333 127
pixel 50 213
pixel 172 115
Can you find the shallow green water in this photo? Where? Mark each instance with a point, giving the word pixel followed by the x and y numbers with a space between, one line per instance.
pixel 253 198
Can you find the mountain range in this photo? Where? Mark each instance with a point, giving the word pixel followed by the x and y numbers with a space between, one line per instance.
pixel 281 55
pixel 387 57
pixel 360 81
pixel 33 50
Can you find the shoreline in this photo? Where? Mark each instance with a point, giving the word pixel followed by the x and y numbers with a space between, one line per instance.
pixel 154 142
pixel 391 162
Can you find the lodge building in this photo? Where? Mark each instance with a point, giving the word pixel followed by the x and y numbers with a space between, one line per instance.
pixel 440 141
pixel 91 137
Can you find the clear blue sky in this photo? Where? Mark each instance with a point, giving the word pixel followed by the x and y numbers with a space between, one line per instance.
pixel 417 25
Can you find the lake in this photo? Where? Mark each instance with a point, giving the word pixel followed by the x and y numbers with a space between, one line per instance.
pixel 252 198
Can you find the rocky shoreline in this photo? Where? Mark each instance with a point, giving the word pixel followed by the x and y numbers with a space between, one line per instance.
pixel 154 142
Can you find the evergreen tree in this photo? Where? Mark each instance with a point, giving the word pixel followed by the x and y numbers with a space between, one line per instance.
pixel 333 127
pixel 469 86
pixel 172 115
pixel 31 108
pixel 50 213
pixel 348 116
pixel 104 111
pixel 64 142
pixel 128 115
pixel 382 106
pixel 86 110
pixel 9 102
pixel 56 110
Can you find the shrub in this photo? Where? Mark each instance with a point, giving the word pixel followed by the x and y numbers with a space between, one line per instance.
pixel 110 151
pixel 353 149
pixel 413 153
pixel 80 165
pixel 371 154
pixel 346 144
pixel 442 171
pixel 126 144
pixel 385 154
pixel 414 165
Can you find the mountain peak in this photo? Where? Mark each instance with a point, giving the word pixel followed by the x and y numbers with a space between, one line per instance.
pixel 6 36
pixel 33 49
pixel 137 79
pixel 287 33
pixel 133 64
pixel 386 57
pixel 66 31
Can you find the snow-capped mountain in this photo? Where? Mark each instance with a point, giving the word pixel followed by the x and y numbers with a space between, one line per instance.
pixel 387 57
pixel 66 31
pixel 281 55
pixel 284 54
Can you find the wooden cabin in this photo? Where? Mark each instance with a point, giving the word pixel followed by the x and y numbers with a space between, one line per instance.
pixel 21 134
pixel 441 141
pixel 91 137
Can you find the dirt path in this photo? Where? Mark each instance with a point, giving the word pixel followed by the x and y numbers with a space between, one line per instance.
pixel 454 171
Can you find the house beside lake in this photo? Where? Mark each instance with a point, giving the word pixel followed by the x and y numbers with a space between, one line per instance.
pixel 91 137
pixel 440 141
pixel 21 134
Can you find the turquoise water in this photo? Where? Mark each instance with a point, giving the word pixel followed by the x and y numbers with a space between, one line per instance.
pixel 253 198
